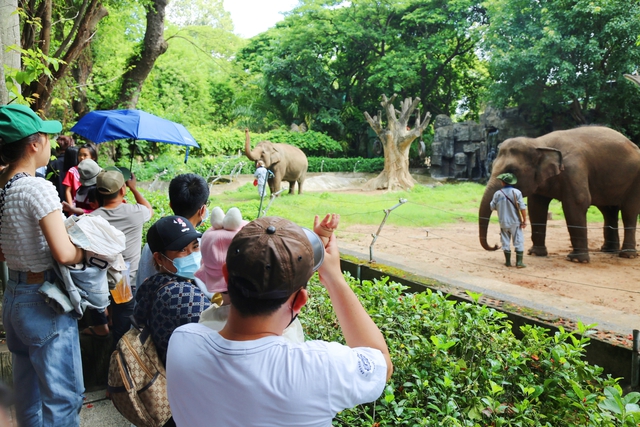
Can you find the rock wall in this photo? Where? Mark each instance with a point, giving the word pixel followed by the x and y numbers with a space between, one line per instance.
pixel 465 150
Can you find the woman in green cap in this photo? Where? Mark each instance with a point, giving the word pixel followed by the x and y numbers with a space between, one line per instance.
pixel 44 345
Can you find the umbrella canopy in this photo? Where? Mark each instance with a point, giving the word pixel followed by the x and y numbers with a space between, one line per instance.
pixel 108 125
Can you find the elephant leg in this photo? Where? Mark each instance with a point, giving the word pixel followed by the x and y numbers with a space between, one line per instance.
pixel 576 218
pixel 630 221
pixel 610 229
pixel 300 187
pixel 538 209
pixel 292 187
pixel 274 185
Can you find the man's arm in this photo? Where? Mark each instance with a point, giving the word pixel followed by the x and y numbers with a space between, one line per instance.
pixel 357 327
pixel 523 224
pixel 138 196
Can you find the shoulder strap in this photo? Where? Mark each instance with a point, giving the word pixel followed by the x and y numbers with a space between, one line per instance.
pixel 8 185
pixel 514 204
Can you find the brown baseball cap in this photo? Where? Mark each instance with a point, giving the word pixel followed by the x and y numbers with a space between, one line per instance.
pixel 109 181
pixel 274 257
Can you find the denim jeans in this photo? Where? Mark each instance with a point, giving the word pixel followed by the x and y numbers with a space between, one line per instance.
pixel 45 350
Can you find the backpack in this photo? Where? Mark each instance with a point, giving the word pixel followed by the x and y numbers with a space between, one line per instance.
pixel 137 380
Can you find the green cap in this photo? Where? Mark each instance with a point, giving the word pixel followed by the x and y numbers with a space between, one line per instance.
pixel 19 121
pixel 509 178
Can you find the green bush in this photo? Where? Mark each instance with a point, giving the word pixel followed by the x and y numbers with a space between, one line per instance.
pixel 459 364
pixel 229 141
pixel 311 142
pixel 168 165
pixel 353 164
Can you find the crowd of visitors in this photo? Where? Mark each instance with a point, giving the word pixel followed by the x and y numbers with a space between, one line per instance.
pixel 221 308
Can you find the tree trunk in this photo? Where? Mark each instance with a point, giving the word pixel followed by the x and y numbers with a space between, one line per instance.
pixel 41 90
pixel 81 73
pixel 396 141
pixel 140 65
pixel 9 36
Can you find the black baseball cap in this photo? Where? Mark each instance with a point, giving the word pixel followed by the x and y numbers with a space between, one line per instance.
pixel 171 233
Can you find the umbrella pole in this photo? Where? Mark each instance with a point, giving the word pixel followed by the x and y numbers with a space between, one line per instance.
pixel 132 148
pixel 261 199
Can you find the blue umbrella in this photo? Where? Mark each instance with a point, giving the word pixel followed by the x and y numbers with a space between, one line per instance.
pixel 109 125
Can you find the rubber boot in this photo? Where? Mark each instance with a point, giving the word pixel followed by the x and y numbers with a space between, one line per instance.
pixel 507 257
pixel 519 256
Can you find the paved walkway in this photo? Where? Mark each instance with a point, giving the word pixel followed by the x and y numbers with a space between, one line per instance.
pixel 98 411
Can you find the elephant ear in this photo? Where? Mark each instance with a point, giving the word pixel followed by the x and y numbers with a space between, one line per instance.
pixel 276 156
pixel 549 163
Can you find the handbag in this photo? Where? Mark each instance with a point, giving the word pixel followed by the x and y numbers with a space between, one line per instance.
pixel 137 381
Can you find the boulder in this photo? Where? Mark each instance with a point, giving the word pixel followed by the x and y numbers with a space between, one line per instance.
pixel 442 120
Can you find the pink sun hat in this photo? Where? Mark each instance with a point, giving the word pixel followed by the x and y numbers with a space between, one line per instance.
pixel 213 247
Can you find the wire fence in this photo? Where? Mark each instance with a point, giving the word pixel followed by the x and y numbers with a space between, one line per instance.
pixel 460 238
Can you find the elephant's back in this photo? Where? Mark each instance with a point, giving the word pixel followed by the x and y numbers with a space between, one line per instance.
pixel 297 163
pixel 593 137
pixel 609 160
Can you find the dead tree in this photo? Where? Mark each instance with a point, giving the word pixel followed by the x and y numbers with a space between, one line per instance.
pixel 396 141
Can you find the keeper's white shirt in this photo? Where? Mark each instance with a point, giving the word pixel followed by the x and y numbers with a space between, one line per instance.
pixel 267 382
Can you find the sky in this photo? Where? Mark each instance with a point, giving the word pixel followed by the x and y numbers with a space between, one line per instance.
pixel 252 17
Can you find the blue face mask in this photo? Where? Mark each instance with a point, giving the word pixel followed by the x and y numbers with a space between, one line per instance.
pixel 188 265
pixel 204 218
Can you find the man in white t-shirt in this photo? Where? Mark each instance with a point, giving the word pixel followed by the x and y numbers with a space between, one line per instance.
pixel 248 374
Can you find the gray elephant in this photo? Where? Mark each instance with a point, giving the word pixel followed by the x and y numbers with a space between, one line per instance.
pixel 288 163
pixel 582 167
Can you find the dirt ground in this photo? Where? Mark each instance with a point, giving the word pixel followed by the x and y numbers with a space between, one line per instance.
pixel 608 280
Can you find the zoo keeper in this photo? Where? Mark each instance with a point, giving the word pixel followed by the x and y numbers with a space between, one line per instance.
pixel 512 214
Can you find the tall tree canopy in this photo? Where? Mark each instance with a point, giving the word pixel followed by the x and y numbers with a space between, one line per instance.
pixel 565 57
pixel 329 59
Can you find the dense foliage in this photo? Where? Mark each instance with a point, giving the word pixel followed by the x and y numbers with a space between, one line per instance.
pixel 328 61
pixel 459 364
pixel 564 60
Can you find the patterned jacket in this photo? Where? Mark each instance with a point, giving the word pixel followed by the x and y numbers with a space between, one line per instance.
pixel 164 302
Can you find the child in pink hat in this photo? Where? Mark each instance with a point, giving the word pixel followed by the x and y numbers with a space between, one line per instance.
pixel 214 244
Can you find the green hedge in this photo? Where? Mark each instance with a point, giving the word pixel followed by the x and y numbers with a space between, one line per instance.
pixel 229 141
pixel 353 164
pixel 459 364
pixel 168 165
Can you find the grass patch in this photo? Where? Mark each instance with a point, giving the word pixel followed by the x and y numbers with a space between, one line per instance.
pixel 425 206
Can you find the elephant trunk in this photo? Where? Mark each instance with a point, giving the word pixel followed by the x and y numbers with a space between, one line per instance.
pixel 484 213
pixel 251 155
